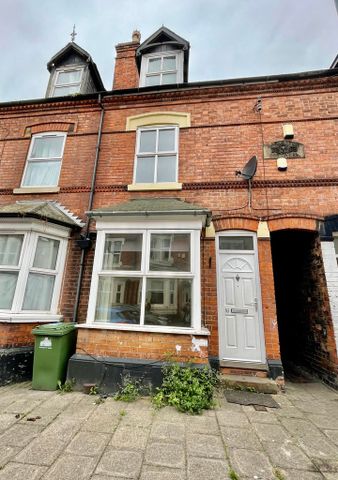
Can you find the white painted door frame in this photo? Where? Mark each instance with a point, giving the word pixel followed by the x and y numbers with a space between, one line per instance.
pixel 221 307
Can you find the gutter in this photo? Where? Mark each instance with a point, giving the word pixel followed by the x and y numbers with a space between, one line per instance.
pixel 90 205
pixel 331 72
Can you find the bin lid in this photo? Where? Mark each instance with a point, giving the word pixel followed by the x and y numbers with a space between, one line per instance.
pixel 54 329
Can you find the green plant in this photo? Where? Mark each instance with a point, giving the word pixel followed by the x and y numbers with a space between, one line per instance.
pixel 67 386
pixel 189 389
pixel 278 474
pixel 129 389
pixel 123 413
pixel 94 390
pixel 233 475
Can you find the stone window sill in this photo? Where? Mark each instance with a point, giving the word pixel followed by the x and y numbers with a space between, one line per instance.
pixel 144 328
pixel 29 318
pixel 137 187
pixel 26 190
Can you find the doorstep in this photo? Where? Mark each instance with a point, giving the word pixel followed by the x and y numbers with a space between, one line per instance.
pixel 261 385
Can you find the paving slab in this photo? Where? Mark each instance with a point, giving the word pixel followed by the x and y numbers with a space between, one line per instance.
pixel 251 463
pixel 6 420
pixel 6 454
pixel 300 475
pixel 332 435
pixel 207 446
pixel 71 467
pixel 101 423
pixel 19 435
pixel 207 469
pixel 202 424
pixel 168 431
pixel 165 454
pixel 121 463
pixel 130 438
pixel 88 443
pixel 270 432
pixel 318 447
pixel 288 455
pixel 240 438
pixel 160 473
pixel 41 451
pixel 18 471
pixel 232 419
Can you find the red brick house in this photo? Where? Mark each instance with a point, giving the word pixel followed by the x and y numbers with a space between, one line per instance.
pixel 130 211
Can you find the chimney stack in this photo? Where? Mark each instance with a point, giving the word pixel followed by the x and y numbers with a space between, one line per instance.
pixel 126 72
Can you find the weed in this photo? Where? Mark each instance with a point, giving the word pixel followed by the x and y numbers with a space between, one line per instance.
pixel 129 389
pixel 188 389
pixel 67 386
pixel 94 390
pixel 278 474
pixel 123 413
pixel 98 401
pixel 233 475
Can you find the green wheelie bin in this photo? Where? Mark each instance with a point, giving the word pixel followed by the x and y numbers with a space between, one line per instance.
pixel 54 345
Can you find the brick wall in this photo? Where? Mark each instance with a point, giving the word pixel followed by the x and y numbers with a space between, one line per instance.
pixel 225 132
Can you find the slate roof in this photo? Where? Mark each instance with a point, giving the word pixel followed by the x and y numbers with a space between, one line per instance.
pixel 47 210
pixel 151 206
pixel 57 58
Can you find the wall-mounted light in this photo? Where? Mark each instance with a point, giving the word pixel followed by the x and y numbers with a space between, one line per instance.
pixel 282 164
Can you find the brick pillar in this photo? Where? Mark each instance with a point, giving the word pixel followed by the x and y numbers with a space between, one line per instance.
pixel 125 72
pixel 268 300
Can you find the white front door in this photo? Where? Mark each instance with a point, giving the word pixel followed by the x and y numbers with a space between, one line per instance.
pixel 239 304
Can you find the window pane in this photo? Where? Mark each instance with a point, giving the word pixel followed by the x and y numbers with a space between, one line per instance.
pixel 10 248
pixel 166 169
pixel 153 80
pixel 7 289
pixel 42 174
pixel 236 243
pixel 169 78
pixel 69 77
pixel 166 140
pixel 118 300
pixel 147 141
pixel 66 90
pixel 46 253
pixel 168 302
pixel 154 65
pixel 169 63
pixel 170 252
pixel 47 147
pixel 145 170
pixel 39 292
pixel 122 252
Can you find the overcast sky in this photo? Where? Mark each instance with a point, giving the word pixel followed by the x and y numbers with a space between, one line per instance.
pixel 228 38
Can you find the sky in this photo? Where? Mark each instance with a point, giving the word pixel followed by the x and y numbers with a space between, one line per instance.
pixel 228 38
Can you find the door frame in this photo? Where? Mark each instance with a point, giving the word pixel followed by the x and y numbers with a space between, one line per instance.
pixel 242 233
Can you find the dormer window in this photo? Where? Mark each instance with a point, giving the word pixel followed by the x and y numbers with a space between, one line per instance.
pixel 162 69
pixel 67 82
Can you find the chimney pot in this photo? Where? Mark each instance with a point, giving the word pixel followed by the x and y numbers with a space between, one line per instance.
pixel 136 36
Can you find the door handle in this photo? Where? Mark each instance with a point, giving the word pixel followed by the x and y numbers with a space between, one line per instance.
pixel 254 303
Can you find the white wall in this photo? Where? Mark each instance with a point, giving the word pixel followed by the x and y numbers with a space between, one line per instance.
pixel 331 272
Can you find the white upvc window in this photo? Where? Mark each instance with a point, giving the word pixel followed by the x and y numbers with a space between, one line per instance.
pixel 67 81
pixel 155 286
pixel 156 155
pixel 44 160
pixel 31 270
pixel 162 68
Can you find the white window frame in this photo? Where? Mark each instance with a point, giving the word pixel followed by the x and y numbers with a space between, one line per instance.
pixel 32 230
pixel 145 63
pixel 43 159
pixel 69 84
pixel 156 154
pixel 146 228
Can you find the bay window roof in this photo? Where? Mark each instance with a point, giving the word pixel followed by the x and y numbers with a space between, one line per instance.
pixel 152 207
pixel 47 210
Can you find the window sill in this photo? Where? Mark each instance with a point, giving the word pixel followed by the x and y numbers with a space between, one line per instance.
pixel 137 187
pixel 23 190
pixel 29 318
pixel 143 328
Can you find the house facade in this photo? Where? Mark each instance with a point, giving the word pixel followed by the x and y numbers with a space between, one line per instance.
pixel 167 218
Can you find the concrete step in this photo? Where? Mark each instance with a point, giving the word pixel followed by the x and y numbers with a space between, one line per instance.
pixel 238 382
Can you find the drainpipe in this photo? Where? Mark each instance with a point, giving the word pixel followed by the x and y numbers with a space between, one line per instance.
pixel 90 204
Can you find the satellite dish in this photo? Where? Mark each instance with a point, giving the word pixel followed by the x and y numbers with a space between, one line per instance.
pixel 249 169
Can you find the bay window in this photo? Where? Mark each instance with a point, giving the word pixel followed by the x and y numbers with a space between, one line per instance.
pixel 31 267
pixel 151 282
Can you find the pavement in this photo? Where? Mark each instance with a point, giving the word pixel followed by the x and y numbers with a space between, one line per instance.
pixel 48 435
